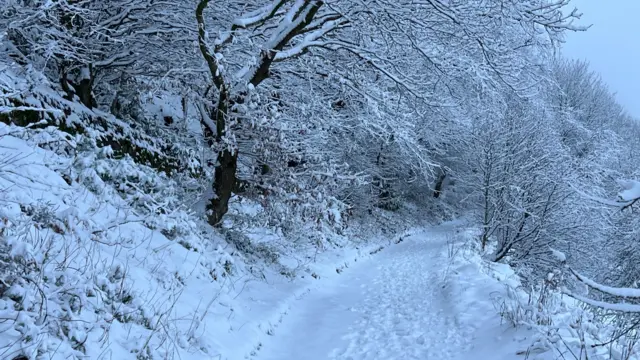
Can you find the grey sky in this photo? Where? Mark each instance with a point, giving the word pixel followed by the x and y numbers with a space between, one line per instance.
pixel 611 45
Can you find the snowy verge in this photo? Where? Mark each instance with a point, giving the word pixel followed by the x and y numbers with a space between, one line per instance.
pixel 539 323
pixel 472 284
pixel 84 274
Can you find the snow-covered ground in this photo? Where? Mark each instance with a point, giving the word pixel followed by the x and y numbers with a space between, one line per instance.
pixel 85 274
pixel 420 299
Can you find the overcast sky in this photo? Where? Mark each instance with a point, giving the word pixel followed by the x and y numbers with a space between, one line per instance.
pixel 611 45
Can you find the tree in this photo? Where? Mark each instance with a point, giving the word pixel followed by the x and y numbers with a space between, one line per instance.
pixel 297 19
pixel 411 53
pixel 516 172
pixel 89 45
pixel 627 199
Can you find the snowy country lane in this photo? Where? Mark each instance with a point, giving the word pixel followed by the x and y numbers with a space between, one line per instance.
pixel 396 305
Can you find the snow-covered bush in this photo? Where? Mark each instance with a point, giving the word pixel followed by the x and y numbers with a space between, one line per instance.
pixel 563 326
pixel 30 101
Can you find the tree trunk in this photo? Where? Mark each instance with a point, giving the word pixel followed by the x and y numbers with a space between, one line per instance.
pixel 224 181
pixel 225 170
pixel 223 185
pixel 84 91
pixel 485 221
pixel 438 188
pixel 83 88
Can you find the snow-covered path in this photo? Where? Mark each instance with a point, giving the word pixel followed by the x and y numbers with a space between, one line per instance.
pixel 397 305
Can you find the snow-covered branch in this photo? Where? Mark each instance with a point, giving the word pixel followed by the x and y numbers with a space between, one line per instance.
pixel 614 291
pixel 625 308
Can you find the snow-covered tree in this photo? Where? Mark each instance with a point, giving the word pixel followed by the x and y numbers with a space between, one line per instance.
pixel 626 296
pixel 516 174
pixel 99 45
pixel 406 54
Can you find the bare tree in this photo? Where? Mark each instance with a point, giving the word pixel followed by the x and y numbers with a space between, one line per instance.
pixel 516 171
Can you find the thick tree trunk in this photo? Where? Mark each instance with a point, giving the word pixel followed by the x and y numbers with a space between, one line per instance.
pixel 223 185
pixel 225 170
pixel 82 88
pixel 225 179
pixel 439 183
pixel 85 92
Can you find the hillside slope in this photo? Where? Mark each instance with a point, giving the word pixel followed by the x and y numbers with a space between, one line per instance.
pixel 100 258
pixel 87 273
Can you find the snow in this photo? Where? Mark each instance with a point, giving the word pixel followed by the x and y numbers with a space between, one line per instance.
pixel 116 283
pixel 629 194
pixel 311 39
pixel 631 190
pixel 559 255
pixel 418 294
pixel 351 299
pixel 628 308
pixel 85 73
pixel 615 291
pixel 400 304
pixel 257 16
pixel 141 292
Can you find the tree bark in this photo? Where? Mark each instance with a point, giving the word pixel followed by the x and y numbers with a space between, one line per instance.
pixel 83 89
pixel 223 185
pixel 439 183
pixel 225 178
